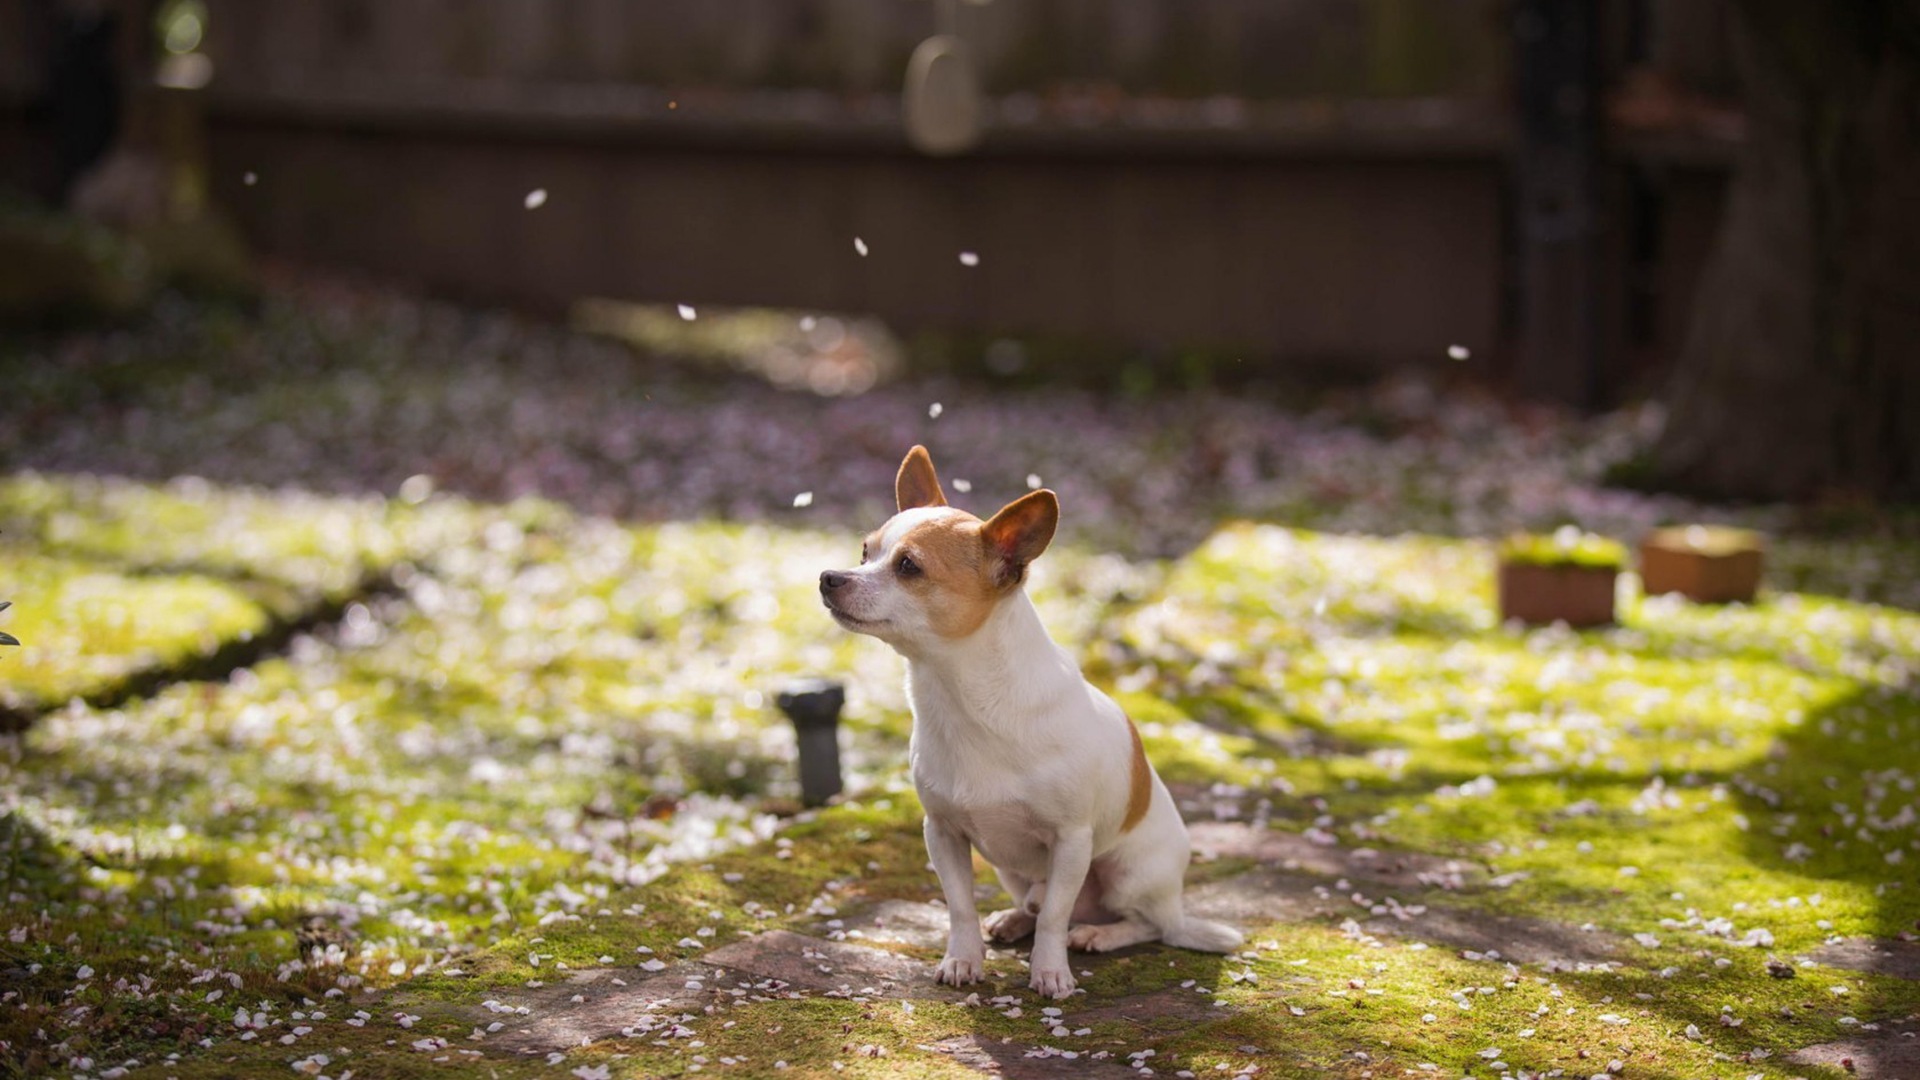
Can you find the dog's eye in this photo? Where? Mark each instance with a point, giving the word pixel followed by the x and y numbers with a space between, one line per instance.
pixel 907 567
pixel 863 554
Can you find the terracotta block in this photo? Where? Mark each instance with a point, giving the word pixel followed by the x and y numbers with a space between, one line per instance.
pixel 1575 595
pixel 1706 565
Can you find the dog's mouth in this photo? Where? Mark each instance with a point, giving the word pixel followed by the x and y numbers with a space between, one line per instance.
pixel 851 622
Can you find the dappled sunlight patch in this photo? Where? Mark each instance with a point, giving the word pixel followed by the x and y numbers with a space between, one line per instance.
pixel 314 544
pixel 89 625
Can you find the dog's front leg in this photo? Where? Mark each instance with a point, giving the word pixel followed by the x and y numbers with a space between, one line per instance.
pixel 1066 872
pixel 952 856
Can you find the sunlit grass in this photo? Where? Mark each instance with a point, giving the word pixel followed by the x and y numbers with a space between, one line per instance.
pixel 92 624
pixel 550 739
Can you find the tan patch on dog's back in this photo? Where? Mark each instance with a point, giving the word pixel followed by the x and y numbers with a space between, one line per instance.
pixel 956 578
pixel 1140 793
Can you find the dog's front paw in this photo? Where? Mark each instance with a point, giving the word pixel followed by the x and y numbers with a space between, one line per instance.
pixel 1053 982
pixel 960 970
pixel 1009 925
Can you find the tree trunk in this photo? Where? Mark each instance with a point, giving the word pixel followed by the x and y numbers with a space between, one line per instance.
pixel 1801 370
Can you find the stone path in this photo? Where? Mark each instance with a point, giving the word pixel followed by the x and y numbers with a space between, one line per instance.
pixel 857 958
pixel 1299 879
pixel 1891 1051
pixel 1900 959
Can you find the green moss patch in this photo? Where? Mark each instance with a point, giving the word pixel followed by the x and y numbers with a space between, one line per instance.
pixel 1707 539
pixel 1566 547
pixel 87 625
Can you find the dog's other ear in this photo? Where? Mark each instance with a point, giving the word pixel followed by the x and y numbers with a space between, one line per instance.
pixel 918 485
pixel 1021 531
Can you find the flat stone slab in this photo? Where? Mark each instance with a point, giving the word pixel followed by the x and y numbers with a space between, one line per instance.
pixel 604 1003
pixel 1297 866
pixel 809 963
pixel 1293 851
pixel 1891 1053
pixel 1161 1008
pixel 903 922
pixel 924 926
pixel 606 1009
pixel 1881 956
pixel 1021 1060
pixel 1262 896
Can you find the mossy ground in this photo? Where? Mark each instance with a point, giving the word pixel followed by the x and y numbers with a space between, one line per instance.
pixel 501 740
pixel 552 747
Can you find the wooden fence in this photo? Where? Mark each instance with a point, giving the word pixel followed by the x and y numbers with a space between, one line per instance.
pixel 1310 181
pixel 1189 48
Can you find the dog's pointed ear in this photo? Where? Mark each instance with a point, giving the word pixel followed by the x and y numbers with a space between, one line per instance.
pixel 917 484
pixel 1021 531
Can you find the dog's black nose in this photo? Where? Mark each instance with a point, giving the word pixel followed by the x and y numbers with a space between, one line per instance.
pixel 831 580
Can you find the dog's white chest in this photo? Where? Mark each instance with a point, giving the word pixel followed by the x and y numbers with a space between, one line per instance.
pixel 1008 801
pixel 1008 835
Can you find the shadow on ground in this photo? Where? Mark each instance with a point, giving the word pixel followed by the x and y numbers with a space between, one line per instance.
pixel 1833 802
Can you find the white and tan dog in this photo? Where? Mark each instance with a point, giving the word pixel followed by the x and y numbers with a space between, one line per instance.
pixel 1014 753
